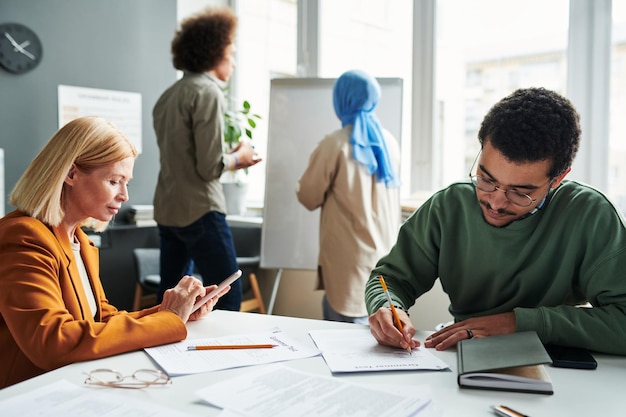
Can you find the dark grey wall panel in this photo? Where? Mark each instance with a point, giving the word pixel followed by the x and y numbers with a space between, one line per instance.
pixel 114 45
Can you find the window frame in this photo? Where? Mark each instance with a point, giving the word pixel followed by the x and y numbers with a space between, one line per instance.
pixel 588 62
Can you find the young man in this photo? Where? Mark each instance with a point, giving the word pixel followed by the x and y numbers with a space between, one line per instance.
pixel 516 248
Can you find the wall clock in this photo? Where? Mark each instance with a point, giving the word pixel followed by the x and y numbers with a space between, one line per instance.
pixel 20 48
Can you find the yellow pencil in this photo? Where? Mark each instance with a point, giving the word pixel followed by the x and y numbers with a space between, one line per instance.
pixel 393 308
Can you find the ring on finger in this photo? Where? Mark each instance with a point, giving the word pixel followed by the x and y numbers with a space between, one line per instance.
pixel 470 334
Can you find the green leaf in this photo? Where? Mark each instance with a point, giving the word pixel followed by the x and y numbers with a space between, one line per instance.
pixel 239 121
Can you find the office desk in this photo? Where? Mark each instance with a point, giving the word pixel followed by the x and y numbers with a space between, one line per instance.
pixel 577 392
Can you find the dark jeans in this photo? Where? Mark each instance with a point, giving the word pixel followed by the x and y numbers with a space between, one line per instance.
pixel 207 243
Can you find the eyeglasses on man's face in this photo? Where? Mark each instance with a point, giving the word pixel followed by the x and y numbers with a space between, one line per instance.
pixel 488 186
pixel 515 197
pixel 141 378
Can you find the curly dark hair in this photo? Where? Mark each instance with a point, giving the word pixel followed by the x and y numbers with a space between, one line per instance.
pixel 534 124
pixel 200 43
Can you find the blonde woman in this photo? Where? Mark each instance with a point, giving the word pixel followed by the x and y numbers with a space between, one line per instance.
pixel 53 310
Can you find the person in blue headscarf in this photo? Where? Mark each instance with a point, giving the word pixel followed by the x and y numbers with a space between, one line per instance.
pixel 353 176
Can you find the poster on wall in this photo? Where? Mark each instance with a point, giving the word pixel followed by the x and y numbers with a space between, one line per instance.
pixel 122 108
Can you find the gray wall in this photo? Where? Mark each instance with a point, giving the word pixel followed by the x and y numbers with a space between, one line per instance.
pixel 114 45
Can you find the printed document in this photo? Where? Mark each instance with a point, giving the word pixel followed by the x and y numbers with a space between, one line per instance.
pixel 356 350
pixel 62 398
pixel 280 391
pixel 176 360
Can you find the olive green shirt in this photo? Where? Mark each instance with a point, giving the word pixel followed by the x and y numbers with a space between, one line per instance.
pixel 570 252
pixel 189 124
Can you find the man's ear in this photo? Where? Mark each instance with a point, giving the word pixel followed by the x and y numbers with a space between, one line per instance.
pixel 557 180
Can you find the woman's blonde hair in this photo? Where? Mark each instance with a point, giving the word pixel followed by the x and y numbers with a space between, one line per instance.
pixel 86 142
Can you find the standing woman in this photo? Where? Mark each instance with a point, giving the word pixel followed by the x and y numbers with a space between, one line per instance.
pixel 53 310
pixel 189 204
pixel 353 176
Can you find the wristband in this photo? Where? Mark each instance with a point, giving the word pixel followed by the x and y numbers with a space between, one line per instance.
pixel 236 160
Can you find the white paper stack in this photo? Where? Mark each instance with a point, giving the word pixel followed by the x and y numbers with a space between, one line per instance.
pixel 141 215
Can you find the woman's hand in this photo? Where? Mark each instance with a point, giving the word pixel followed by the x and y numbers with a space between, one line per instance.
pixel 181 299
pixel 246 155
pixel 207 307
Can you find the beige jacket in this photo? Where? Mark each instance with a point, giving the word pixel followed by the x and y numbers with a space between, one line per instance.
pixel 359 220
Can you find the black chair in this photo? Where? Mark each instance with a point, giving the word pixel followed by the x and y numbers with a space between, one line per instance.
pixel 148 278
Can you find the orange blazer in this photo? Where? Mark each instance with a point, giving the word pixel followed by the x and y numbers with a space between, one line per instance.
pixel 45 320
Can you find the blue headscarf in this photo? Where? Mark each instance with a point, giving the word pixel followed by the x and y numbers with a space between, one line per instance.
pixel 355 96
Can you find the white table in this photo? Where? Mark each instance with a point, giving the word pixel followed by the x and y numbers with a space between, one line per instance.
pixel 577 392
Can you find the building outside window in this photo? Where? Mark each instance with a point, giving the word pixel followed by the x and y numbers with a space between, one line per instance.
pixel 485 50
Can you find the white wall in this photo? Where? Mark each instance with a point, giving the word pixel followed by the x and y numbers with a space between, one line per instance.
pixel 186 7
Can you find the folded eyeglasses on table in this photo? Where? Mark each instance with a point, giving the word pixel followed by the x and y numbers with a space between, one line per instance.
pixel 141 378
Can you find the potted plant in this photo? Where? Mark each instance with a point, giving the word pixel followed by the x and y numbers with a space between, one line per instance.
pixel 238 121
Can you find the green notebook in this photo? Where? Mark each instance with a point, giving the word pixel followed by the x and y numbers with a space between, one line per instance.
pixel 510 362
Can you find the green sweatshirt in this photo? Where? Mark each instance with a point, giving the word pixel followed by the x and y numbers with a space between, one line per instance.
pixel 571 251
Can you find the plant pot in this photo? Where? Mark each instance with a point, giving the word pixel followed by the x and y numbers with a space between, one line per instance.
pixel 235 194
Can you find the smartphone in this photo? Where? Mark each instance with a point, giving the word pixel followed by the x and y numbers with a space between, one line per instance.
pixel 234 277
pixel 571 357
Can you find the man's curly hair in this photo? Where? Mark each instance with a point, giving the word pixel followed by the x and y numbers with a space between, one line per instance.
pixel 534 124
pixel 200 43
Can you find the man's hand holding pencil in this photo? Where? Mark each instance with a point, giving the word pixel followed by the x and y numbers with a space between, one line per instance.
pixel 392 326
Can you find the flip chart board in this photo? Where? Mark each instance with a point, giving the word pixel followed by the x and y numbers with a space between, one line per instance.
pixel 301 114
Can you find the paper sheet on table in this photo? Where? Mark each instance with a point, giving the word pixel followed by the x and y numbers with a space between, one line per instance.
pixel 62 398
pixel 176 360
pixel 356 350
pixel 430 410
pixel 280 391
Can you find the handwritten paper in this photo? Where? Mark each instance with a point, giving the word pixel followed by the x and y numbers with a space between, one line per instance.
pixel 279 391
pixel 176 360
pixel 62 398
pixel 356 350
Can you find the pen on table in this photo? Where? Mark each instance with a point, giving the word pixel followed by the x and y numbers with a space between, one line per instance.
pixel 223 347
pixel 504 411
pixel 393 308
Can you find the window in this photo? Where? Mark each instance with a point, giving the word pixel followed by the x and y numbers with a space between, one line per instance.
pixel 617 123
pixel 266 48
pixel 374 36
pixel 483 53
pixel 483 50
